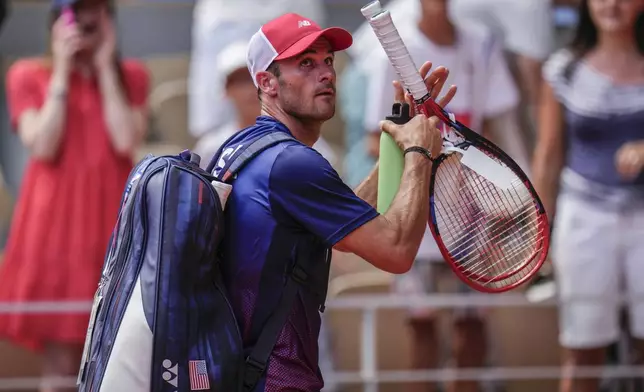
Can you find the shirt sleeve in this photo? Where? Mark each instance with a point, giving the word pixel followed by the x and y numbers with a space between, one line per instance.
pixel 305 186
pixel 554 72
pixel 380 92
pixel 24 91
pixel 137 83
pixel 502 94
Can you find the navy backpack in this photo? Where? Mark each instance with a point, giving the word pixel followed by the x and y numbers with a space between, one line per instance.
pixel 161 319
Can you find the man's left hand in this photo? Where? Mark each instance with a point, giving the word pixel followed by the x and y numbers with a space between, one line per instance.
pixel 434 82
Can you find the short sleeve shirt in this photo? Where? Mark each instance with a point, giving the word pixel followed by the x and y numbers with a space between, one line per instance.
pixel 286 199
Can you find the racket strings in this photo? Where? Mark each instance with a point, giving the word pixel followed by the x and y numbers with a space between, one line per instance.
pixel 499 224
pixel 492 234
pixel 500 229
pixel 491 261
pixel 518 245
pixel 475 219
pixel 464 245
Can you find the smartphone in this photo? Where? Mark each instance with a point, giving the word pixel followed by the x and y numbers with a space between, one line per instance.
pixel 68 14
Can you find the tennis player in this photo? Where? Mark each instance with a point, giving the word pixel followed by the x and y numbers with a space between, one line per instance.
pixel 289 197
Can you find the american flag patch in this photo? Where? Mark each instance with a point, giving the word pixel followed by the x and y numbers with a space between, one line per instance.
pixel 198 376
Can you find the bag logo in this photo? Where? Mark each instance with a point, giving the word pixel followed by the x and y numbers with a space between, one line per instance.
pixel 171 371
pixel 223 158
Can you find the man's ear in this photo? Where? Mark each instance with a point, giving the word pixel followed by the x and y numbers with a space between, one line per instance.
pixel 267 82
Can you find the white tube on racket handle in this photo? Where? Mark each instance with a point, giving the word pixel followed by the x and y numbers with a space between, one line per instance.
pixel 397 52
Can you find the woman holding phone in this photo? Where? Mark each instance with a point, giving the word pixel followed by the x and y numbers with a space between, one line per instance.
pixel 81 113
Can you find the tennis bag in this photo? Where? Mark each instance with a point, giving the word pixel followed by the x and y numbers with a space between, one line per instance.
pixel 161 319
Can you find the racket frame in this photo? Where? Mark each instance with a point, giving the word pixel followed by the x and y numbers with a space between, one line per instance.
pixel 473 139
pixel 412 81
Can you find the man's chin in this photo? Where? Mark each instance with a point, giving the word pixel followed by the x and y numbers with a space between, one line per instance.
pixel 321 115
pixel 326 113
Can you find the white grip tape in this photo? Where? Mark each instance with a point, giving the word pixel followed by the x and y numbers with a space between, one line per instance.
pixel 396 50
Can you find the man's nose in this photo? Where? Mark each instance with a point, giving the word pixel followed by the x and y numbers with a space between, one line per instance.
pixel 327 73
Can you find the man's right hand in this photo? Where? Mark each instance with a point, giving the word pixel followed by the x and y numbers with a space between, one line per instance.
pixel 66 41
pixel 419 131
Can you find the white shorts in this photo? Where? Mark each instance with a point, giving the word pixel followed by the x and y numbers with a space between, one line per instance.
pixel 597 252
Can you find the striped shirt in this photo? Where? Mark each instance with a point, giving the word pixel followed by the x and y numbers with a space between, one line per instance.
pixel 600 117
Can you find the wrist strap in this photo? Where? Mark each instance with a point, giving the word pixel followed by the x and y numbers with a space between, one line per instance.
pixel 420 150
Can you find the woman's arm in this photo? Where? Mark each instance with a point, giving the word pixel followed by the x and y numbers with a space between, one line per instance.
pixel 41 130
pixel 549 154
pixel 40 122
pixel 126 125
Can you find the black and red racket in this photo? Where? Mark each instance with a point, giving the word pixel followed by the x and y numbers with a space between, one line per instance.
pixel 485 215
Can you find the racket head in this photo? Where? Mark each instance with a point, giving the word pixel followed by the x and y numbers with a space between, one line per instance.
pixel 493 232
pixel 529 262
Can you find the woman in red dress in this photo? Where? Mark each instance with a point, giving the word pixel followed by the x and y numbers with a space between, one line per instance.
pixel 81 114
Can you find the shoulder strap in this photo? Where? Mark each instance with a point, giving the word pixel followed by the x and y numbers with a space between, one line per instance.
pixel 258 359
pixel 241 156
pixel 215 158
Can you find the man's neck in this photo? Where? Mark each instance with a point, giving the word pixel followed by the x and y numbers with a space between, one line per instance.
pixel 307 133
pixel 245 121
pixel 440 31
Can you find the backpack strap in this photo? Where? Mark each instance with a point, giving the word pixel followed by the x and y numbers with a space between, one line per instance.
pixel 241 155
pixel 257 360
pixel 215 158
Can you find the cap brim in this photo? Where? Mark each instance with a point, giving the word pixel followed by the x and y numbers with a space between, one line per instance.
pixel 339 38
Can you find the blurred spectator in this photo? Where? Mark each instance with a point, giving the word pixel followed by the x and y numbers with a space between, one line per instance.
pixel 526 27
pixel 81 112
pixel 588 163
pixel 241 91
pixel 6 203
pixel 4 11
pixel 352 92
pixel 216 24
pixel 485 90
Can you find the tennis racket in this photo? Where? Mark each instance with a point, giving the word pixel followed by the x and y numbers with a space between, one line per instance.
pixel 485 215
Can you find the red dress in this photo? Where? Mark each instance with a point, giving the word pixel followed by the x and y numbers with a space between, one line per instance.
pixel 66 208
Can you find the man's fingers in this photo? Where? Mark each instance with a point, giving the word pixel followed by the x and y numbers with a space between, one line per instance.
pixel 437 87
pixel 447 98
pixel 436 76
pixel 399 93
pixel 433 122
pixel 389 127
pixel 412 106
pixel 424 69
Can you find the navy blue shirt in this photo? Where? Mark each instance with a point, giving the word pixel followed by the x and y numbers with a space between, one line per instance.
pixel 287 198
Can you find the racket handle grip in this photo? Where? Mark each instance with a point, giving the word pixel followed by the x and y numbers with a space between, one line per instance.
pixel 392 161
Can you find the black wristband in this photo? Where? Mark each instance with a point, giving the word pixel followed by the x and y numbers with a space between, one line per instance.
pixel 420 150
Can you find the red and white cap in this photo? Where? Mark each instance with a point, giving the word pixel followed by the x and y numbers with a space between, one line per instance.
pixel 287 36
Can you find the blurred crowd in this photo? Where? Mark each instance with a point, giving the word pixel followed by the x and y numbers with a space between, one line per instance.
pixel 558 84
